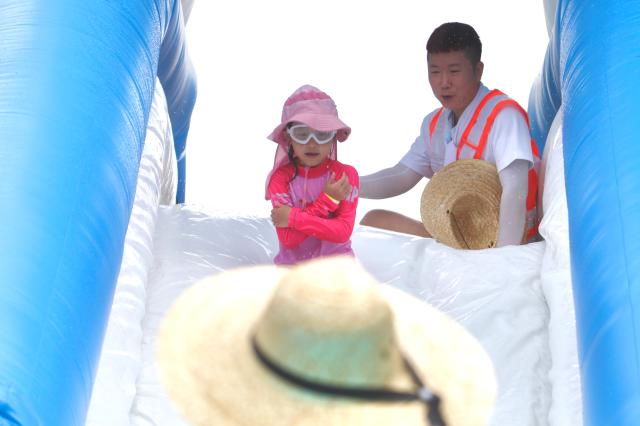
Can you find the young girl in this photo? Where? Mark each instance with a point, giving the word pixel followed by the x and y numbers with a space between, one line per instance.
pixel 314 196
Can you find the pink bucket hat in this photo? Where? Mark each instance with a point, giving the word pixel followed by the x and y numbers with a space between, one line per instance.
pixel 316 109
pixel 313 107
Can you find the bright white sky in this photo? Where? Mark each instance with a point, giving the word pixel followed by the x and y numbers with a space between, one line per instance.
pixel 369 57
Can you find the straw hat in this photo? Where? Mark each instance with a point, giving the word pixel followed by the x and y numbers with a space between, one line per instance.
pixel 460 205
pixel 244 346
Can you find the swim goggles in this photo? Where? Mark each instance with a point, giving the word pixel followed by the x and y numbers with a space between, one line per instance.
pixel 302 134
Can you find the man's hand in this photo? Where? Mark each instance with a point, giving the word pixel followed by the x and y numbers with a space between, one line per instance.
pixel 280 216
pixel 337 189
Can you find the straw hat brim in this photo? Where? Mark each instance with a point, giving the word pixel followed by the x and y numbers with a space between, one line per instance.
pixel 208 367
pixel 460 204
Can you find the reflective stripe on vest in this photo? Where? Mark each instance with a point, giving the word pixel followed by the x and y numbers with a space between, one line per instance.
pixel 474 140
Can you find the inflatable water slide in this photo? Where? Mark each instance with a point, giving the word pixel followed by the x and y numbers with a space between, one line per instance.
pixel 96 241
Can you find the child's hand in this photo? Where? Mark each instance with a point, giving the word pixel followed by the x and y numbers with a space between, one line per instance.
pixel 337 189
pixel 280 216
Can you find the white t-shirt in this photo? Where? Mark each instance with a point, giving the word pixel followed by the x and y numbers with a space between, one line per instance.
pixel 508 140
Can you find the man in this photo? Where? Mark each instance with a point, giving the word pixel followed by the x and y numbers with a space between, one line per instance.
pixel 474 122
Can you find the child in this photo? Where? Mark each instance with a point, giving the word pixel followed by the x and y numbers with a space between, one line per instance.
pixel 314 196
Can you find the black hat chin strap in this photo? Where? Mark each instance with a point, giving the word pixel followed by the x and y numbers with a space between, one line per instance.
pixel 422 393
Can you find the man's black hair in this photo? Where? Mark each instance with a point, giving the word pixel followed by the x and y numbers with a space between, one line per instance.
pixel 453 37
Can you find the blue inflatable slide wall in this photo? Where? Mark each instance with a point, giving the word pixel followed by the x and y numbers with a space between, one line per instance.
pixel 76 83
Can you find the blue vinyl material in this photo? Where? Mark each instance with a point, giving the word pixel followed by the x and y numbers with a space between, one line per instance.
pixel 76 84
pixel 178 79
pixel 592 72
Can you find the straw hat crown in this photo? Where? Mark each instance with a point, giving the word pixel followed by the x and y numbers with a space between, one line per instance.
pixel 312 328
pixel 460 205
pixel 328 322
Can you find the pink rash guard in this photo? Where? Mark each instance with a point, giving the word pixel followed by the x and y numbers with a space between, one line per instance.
pixel 318 226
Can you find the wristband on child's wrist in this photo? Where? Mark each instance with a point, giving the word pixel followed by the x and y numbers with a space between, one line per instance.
pixel 332 199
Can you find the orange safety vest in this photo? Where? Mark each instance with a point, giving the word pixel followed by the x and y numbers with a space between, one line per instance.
pixel 474 140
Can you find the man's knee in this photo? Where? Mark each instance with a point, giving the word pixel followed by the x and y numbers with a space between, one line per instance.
pixel 392 221
pixel 374 218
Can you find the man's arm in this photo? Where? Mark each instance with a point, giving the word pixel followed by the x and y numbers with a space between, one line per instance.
pixel 389 182
pixel 513 157
pixel 514 179
pixel 396 180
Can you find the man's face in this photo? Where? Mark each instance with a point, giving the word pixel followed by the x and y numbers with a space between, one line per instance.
pixel 453 79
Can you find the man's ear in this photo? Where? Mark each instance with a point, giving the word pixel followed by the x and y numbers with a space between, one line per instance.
pixel 478 70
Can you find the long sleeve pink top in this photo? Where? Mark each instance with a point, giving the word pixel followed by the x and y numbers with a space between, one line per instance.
pixel 318 226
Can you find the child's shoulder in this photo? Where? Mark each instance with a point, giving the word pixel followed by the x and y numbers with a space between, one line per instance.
pixel 338 166
pixel 281 175
pixel 285 169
